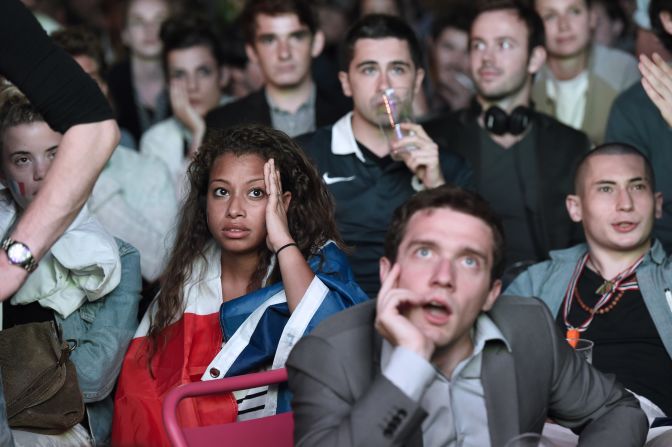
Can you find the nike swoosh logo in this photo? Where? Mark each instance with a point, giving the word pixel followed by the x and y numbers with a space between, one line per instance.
pixel 331 180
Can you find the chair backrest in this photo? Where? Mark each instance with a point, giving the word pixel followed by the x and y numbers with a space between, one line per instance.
pixel 275 430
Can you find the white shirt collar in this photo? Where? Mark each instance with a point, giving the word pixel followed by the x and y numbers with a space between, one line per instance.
pixel 343 139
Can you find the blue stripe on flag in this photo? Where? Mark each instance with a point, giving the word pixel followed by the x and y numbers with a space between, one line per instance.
pixel 332 269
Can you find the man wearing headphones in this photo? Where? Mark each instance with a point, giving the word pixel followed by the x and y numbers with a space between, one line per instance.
pixel 521 158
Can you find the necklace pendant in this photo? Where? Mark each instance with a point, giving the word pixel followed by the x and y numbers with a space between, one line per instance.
pixel 573 333
pixel 606 287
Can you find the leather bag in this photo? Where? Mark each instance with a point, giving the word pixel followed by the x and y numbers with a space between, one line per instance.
pixel 40 381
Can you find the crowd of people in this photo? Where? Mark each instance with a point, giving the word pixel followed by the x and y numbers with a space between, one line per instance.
pixel 237 193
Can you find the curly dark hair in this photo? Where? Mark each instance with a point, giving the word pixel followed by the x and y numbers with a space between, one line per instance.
pixel 310 215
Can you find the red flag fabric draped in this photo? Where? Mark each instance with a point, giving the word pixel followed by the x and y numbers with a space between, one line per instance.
pixel 191 344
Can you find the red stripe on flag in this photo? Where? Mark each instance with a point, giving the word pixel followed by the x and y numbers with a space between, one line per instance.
pixel 191 344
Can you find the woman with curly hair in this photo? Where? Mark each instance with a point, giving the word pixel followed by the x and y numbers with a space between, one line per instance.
pixel 257 250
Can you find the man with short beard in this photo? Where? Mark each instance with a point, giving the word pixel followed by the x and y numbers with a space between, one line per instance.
pixel 520 157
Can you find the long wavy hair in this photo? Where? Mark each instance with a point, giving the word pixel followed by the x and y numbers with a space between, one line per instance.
pixel 310 215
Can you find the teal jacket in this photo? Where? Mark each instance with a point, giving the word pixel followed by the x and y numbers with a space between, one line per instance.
pixel 548 281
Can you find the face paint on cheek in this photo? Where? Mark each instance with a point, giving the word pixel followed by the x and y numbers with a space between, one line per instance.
pixel 18 190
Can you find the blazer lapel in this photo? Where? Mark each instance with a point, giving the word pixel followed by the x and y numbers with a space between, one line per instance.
pixel 500 390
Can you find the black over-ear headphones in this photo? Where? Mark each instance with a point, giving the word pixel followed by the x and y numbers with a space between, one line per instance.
pixel 498 122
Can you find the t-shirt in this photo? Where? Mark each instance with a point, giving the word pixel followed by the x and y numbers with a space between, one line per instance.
pixel 570 98
pixel 627 343
pixel 506 183
pixel 45 73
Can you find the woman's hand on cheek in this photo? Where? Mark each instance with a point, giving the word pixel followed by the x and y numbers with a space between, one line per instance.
pixel 276 216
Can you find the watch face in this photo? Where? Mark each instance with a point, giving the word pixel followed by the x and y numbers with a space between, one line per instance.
pixel 18 253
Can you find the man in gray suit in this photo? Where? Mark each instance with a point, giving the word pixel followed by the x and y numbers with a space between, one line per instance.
pixel 436 361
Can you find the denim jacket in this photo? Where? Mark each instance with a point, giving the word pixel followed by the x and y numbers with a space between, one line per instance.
pixel 548 281
pixel 103 330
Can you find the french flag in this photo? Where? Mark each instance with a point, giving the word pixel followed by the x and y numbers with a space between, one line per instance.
pixel 259 332
pixel 191 343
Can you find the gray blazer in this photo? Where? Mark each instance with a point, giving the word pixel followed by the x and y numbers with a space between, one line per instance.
pixel 341 397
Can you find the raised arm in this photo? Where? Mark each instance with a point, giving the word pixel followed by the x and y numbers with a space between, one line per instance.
pixel 82 154
pixel 657 83
pixel 71 103
pixel 296 274
pixel 328 414
pixel 423 161
pixel 332 409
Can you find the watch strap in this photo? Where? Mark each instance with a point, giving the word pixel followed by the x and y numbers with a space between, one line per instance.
pixel 29 264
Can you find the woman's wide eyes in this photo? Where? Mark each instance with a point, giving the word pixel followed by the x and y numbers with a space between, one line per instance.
pixel 257 193
pixel 254 193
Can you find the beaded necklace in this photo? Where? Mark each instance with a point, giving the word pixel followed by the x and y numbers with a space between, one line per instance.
pixel 611 290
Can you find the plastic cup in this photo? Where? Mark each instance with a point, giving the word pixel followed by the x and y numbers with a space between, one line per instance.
pixel 583 347
pixel 395 106
pixel 530 440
